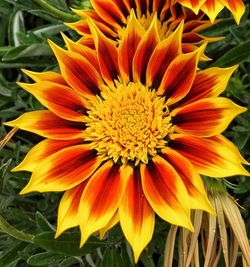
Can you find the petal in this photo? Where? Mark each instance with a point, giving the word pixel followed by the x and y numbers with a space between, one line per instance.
pixel 68 208
pixel 83 50
pixel 164 53
pixel 48 76
pixel 208 83
pixel 212 156
pixel 127 47
pixel 166 192
pixel 190 178
pixel 212 8
pixel 61 100
pixel 237 8
pixel 179 76
pixel 136 215
pixel 114 220
pixel 48 125
pixel 144 51
pixel 43 150
pixel 194 5
pixel 107 54
pixel 205 117
pixel 63 170
pixel 101 198
pixel 109 12
pixel 77 71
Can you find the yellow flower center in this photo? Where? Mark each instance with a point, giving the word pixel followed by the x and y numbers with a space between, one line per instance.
pixel 129 122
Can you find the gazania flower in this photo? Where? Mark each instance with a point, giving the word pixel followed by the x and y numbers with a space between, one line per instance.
pixel 213 7
pixel 112 16
pixel 128 131
pixel 220 235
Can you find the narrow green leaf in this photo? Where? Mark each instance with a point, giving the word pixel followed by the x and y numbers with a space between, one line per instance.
pixel 112 258
pixel 68 243
pixel 45 258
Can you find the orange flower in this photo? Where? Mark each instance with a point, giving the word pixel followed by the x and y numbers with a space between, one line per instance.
pixel 129 131
pixel 112 16
pixel 213 7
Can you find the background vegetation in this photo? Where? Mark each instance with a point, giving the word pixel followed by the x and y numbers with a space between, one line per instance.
pixel 25 27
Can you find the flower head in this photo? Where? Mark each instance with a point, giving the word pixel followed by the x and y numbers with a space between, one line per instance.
pixel 129 129
pixel 213 7
pixel 112 16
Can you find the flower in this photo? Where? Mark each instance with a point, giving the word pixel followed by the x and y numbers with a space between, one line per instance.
pixel 215 233
pixel 213 7
pixel 112 16
pixel 129 130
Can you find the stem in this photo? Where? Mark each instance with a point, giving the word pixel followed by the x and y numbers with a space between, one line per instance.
pixel 7 138
pixel 9 229
pixel 58 13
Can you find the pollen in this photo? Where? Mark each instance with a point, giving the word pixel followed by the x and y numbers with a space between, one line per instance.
pixel 128 123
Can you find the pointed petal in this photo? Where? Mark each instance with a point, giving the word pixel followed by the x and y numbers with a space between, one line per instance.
pixel 48 125
pixel 212 156
pixel 136 215
pixel 83 50
pixel 101 198
pixel 194 5
pixel 81 26
pixel 144 51
pixel 43 150
pixel 114 220
pixel 236 7
pixel 212 8
pixel 77 71
pixel 127 47
pixel 190 178
pixel 48 76
pixel 166 192
pixel 63 170
pixel 206 117
pixel 109 12
pixel 208 83
pixel 179 77
pixel 164 53
pixel 61 100
pixel 68 208
pixel 107 54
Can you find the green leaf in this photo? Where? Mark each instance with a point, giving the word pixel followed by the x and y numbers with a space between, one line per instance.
pixel 112 258
pixel 236 55
pixel 27 51
pixel 44 259
pixel 16 24
pixel 68 243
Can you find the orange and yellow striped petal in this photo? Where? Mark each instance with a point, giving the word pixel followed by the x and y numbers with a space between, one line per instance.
pixel 127 47
pixel 166 192
pixel 47 124
pixel 107 55
pixel 236 7
pixel 212 8
pixel 136 215
pixel 62 100
pixel 208 83
pixel 101 198
pixel 164 53
pixel 191 179
pixel 194 5
pixel 63 170
pixel 43 150
pixel 144 50
pixel 114 220
pixel 212 156
pixel 179 77
pixel 48 76
pixel 68 208
pixel 79 73
pixel 206 117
